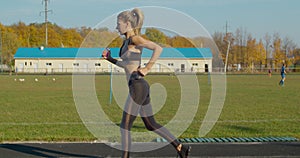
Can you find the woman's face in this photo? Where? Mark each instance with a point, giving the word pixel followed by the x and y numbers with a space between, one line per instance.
pixel 122 26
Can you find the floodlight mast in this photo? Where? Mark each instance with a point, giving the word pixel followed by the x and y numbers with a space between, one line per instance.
pixel 46 19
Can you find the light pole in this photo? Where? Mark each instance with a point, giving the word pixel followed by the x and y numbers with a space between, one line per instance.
pixel 270 57
pixel 227 52
pixel 229 39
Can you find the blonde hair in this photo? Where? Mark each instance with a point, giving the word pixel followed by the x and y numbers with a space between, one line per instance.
pixel 135 17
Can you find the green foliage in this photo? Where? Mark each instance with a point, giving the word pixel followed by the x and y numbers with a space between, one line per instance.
pixel 179 42
pixel 33 35
pixel 102 37
pixel 156 36
pixel 244 50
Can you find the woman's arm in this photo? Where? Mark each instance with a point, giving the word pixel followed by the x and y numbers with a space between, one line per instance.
pixel 143 43
pixel 106 55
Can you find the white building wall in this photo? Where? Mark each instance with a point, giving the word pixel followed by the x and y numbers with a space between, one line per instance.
pixel 101 65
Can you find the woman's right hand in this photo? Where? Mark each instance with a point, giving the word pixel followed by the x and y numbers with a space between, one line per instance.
pixel 106 53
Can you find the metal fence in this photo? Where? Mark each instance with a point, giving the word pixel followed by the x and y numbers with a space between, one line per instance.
pixel 102 70
pixel 106 70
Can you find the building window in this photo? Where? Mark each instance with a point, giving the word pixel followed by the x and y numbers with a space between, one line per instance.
pixel 49 64
pixel 25 63
pixel 75 64
pixel 195 64
pixel 170 64
pixel 30 63
pixel 97 64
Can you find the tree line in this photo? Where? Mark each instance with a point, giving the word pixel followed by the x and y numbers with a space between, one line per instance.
pixel 244 49
pixel 271 51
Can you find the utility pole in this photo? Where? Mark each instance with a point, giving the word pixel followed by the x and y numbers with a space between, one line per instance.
pixel 1 48
pixel 46 19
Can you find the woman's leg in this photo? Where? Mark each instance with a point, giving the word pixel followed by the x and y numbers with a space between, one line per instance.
pixel 139 101
pixel 129 115
pixel 126 124
pixel 146 113
pixel 150 123
pixel 131 110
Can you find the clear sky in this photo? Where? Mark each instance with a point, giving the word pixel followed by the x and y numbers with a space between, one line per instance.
pixel 258 17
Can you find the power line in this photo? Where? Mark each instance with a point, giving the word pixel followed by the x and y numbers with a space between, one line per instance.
pixel 46 19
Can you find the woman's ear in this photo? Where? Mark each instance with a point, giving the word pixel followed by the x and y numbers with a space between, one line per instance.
pixel 128 25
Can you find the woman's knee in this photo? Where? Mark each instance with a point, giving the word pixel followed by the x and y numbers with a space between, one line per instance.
pixel 150 127
pixel 151 124
pixel 125 125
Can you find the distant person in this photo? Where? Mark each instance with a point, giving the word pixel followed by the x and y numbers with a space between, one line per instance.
pixel 129 24
pixel 17 70
pixel 270 73
pixel 283 73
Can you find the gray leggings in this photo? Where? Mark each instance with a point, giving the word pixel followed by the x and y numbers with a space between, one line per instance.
pixel 138 102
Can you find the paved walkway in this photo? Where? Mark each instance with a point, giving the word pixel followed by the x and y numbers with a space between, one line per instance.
pixel 270 149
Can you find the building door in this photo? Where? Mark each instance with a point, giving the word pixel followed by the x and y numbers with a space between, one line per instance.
pixel 35 67
pixel 20 68
pixel 206 68
pixel 48 69
pixel 85 67
pixel 157 68
pixel 182 68
pixel 60 67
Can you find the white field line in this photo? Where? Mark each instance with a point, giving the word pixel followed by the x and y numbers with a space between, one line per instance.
pixel 177 121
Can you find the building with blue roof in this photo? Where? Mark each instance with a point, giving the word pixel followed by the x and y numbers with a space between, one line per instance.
pixel 68 60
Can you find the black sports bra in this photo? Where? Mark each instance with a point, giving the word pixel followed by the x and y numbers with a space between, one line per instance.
pixel 125 43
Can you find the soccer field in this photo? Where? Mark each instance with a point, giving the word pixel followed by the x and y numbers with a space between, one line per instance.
pixel 44 109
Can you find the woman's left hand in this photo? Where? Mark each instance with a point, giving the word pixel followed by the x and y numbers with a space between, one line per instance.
pixel 143 71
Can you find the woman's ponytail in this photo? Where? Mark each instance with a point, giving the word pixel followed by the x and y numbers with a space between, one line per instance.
pixel 138 19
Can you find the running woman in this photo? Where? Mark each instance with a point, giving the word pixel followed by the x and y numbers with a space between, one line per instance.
pixel 129 24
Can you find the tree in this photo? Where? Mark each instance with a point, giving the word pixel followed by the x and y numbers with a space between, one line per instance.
pixel 262 53
pixel 181 42
pixel 221 44
pixel 22 31
pixel 156 36
pixel 35 38
pixel 117 42
pixel 288 47
pixel 70 38
pixel 240 46
pixel 244 50
pixel 10 44
pixel 84 31
pixel 278 54
pixel 267 39
pixel 101 37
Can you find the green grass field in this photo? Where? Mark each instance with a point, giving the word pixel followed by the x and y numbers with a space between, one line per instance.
pixel 255 106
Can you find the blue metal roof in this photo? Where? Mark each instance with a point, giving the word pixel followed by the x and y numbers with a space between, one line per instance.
pixel 65 53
